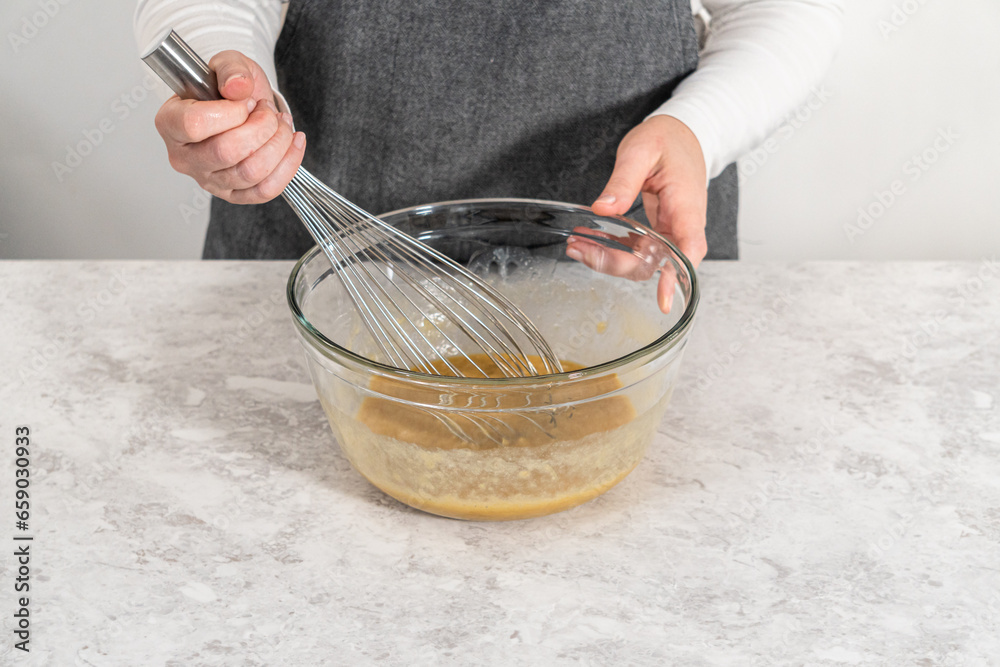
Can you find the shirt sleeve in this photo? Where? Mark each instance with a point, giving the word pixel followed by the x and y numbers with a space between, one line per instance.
pixel 210 26
pixel 760 59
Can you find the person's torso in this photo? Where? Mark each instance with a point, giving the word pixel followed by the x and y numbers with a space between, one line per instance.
pixel 411 103
pixel 406 103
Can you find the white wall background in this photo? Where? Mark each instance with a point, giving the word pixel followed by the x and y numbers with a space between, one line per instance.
pixel 72 85
pixel 891 93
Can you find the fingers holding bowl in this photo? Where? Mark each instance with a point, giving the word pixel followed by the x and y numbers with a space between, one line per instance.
pixel 635 257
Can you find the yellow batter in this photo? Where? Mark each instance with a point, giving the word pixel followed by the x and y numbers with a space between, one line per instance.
pixel 514 419
pixel 504 463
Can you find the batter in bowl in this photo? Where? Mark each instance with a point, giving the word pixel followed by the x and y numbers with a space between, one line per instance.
pixel 510 458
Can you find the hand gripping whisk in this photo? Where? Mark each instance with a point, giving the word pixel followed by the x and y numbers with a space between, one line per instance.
pixel 420 306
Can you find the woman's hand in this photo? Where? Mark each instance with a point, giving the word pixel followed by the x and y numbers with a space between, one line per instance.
pixel 662 159
pixel 240 149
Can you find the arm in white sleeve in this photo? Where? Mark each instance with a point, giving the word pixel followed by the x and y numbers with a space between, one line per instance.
pixel 210 26
pixel 760 59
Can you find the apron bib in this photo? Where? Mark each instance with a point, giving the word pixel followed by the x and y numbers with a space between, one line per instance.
pixel 411 103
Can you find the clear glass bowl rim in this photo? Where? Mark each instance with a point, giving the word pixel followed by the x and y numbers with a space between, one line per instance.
pixel 340 354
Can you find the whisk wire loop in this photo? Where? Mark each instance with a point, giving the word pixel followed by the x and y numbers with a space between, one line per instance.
pixel 433 278
pixel 384 270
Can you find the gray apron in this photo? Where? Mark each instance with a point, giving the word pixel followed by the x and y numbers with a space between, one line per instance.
pixel 407 103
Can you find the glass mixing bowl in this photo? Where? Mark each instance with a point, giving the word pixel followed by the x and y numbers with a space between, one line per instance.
pixel 512 448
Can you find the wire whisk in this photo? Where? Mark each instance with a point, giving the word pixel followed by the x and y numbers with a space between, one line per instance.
pixel 421 308
pixel 419 305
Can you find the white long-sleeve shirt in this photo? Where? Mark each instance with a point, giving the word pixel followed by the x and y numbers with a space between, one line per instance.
pixel 759 60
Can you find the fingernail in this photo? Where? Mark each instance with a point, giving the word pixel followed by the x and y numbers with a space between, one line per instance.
pixel 287 118
pixel 270 105
pixel 233 77
pixel 251 104
pixel 299 140
pixel 574 253
pixel 606 199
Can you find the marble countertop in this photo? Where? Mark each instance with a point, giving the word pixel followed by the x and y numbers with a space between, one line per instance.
pixel 824 490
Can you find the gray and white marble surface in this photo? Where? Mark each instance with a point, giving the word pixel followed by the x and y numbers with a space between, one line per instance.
pixel 824 490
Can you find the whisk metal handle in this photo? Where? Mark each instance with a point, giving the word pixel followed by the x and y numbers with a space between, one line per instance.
pixel 182 69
